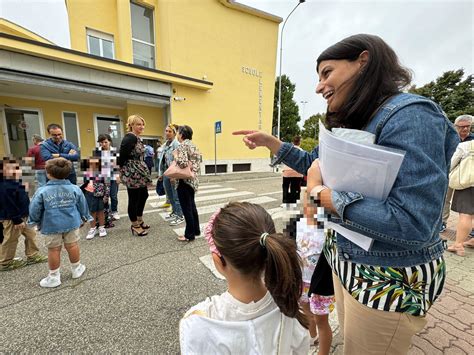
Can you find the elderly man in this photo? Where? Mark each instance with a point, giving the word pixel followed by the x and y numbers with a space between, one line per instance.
pixel 34 151
pixel 56 147
pixel 463 125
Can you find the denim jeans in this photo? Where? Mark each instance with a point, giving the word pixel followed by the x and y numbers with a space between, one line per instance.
pixel 113 196
pixel 41 179
pixel 173 196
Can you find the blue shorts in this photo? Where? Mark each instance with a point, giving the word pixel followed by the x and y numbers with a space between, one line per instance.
pixel 96 204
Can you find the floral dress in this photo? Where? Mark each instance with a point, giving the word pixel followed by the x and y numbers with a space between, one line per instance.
pixel 135 173
pixel 409 290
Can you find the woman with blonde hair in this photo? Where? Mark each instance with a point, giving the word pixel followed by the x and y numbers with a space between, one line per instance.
pixel 134 173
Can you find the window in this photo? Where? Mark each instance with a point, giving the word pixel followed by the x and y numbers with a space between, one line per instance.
pixel 100 44
pixel 71 128
pixel 143 36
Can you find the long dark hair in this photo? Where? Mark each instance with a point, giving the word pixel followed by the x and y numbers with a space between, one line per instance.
pixel 237 232
pixel 381 77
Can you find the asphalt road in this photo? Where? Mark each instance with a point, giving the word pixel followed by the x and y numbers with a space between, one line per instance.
pixel 134 291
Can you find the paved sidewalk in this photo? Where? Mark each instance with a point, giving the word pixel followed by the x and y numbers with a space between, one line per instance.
pixel 450 328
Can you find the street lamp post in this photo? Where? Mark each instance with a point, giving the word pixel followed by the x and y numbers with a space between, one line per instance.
pixel 304 106
pixel 281 59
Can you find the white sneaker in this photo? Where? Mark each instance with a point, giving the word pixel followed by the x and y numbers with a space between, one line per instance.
pixel 177 221
pixel 51 281
pixel 170 217
pixel 78 271
pixel 102 232
pixel 115 215
pixel 91 233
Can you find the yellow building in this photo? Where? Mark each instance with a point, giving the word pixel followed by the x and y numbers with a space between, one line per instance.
pixel 187 62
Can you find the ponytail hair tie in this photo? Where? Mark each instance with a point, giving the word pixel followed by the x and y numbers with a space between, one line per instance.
pixel 263 239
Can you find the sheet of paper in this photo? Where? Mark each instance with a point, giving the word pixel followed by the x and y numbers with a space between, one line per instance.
pixel 358 167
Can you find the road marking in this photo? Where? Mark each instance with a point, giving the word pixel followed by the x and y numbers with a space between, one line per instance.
pixel 203 187
pixel 212 208
pixel 209 263
pixel 180 231
pixel 270 193
pixel 222 196
pixel 211 191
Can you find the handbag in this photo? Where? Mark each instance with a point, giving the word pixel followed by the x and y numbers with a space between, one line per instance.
pixel 462 176
pixel 175 172
pixel 160 189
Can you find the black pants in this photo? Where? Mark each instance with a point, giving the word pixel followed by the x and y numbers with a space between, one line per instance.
pixel 136 202
pixel 291 189
pixel 186 200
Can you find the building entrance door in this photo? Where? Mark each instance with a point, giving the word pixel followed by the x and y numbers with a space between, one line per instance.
pixel 20 127
pixel 112 126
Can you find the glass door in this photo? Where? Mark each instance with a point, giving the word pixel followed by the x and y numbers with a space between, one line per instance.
pixel 21 125
pixel 112 126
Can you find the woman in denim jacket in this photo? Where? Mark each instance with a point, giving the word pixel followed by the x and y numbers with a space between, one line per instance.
pixel 382 294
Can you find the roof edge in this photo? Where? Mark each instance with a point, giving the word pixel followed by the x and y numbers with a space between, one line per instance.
pixel 24 31
pixel 232 4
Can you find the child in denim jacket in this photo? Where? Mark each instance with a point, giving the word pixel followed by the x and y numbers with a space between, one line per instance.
pixel 59 209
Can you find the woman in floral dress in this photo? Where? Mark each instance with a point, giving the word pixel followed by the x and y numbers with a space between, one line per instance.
pixel 134 173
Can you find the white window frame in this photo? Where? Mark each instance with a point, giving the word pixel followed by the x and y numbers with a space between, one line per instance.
pixel 77 126
pixel 102 36
pixel 154 34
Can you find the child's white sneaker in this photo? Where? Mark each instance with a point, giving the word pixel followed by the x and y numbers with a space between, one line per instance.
pixel 51 281
pixel 102 232
pixel 91 233
pixel 78 271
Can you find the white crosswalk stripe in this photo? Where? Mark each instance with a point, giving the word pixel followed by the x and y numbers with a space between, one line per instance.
pixel 222 196
pixel 212 208
pixel 205 187
pixel 212 191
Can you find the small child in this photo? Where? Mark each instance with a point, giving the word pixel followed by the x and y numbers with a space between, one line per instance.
pixel 110 170
pixel 259 314
pixel 97 191
pixel 59 209
pixel 13 213
pixel 317 299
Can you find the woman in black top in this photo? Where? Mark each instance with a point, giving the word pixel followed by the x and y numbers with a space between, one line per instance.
pixel 134 173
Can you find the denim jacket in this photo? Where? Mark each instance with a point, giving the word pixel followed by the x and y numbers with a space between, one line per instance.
pixel 58 207
pixel 405 226
pixel 166 156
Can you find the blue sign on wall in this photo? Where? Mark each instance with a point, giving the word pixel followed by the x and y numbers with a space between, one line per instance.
pixel 218 127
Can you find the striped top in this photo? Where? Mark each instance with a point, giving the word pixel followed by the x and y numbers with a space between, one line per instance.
pixel 395 289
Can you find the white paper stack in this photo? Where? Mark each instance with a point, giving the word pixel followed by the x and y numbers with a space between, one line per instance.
pixel 350 163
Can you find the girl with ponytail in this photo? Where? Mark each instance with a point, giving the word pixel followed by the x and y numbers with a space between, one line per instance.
pixel 259 313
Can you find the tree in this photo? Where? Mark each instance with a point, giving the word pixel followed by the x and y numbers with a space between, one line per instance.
pixel 308 144
pixel 289 110
pixel 311 126
pixel 451 92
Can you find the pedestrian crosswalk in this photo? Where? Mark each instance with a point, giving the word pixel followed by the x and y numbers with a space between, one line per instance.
pixel 219 196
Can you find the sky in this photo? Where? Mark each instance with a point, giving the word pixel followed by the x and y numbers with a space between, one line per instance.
pixel 429 36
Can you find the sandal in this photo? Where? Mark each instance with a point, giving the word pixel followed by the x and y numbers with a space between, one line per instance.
pixel 144 226
pixel 469 243
pixel 184 239
pixel 459 250
pixel 136 230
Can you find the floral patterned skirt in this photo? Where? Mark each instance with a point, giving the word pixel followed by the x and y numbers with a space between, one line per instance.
pixel 135 174
pixel 409 290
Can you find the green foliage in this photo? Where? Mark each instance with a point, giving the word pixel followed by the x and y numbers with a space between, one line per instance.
pixel 289 110
pixel 311 126
pixel 451 92
pixel 308 144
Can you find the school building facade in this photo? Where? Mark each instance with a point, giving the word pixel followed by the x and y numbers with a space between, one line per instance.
pixel 184 62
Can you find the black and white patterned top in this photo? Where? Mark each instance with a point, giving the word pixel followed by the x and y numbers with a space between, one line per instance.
pixel 395 289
